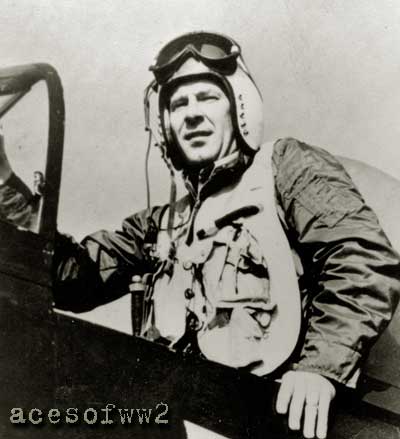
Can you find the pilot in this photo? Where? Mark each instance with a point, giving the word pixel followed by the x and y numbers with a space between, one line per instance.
pixel 18 205
pixel 271 262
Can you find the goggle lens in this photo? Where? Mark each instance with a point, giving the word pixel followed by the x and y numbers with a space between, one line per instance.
pixel 213 52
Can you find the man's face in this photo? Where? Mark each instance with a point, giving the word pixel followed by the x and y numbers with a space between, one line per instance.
pixel 201 122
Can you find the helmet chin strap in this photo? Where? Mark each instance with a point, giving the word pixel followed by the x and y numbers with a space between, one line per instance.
pixel 231 148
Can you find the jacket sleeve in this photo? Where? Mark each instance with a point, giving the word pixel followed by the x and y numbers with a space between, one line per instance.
pixel 100 268
pixel 351 271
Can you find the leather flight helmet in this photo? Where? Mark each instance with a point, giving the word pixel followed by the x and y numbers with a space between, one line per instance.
pixel 213 57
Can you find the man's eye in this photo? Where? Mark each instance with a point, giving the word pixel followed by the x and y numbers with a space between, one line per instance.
pixel 176 105
pixel 210 98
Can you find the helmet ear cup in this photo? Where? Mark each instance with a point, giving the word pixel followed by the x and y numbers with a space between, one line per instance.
pixel 249 108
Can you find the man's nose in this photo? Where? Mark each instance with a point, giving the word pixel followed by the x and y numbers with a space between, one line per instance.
pixel 194 114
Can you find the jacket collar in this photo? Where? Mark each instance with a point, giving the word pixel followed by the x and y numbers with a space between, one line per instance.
pixel 212 178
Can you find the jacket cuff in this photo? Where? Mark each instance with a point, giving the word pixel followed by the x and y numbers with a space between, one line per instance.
pixel 330 359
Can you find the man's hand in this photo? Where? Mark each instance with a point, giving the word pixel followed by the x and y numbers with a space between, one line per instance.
pixel 5 168
pixel 308 394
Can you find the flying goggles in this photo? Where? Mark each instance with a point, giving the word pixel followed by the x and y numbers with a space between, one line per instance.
pixel 216 51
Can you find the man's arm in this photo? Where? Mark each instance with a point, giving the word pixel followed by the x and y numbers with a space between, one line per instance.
pixel 352 272
pixel 100 268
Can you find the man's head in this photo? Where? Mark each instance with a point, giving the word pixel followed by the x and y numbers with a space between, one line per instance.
pixel 38 182
pixel 187 70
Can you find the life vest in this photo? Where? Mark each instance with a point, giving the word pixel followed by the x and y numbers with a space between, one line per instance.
pixel 236 279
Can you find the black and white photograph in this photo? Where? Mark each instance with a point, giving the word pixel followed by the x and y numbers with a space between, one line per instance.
pixel 199 219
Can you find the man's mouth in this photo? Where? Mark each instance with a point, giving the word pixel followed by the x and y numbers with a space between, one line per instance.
pixel 200 133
